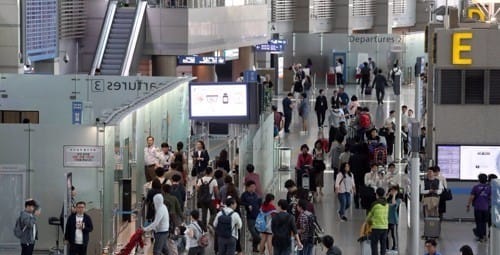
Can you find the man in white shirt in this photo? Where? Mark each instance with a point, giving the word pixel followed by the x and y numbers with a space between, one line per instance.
pixel 227 244
pixel 166 156
pixel 152 157
pixel 206 204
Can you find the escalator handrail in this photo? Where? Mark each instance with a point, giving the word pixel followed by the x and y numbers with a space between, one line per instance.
pixel 103 39
pixel 134 34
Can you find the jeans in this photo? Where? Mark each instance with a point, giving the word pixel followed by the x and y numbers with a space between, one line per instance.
pixel 205 208
pixel 307 250
pixel 288 120
pixel 321 118
pixel 378 236
pixel 254 233
pixel 340 79
pixel 282 250
pixel 481 217
pixel 160 245
pixel 196 251
pixel 27 249
pixel 77 249
pixel 393 231
pixel 380 95
pixel 227 246
pixel 345 202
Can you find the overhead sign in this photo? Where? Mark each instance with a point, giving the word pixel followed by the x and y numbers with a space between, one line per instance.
pixel 272 46
pixel 83 156
pixel 232 54
pixel 77 108
pixel 200 60
pixel 459 46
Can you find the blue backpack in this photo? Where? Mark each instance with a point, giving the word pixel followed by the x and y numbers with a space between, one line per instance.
pixel 261 223
pixel 224 226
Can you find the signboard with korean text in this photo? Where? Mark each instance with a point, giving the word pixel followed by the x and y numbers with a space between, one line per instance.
pixel 83 156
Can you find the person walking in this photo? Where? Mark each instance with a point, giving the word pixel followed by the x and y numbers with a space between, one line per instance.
pixel 431 247
pixel 304 111
pixel 320 107
pixel 194 233
pixel 200 159
pixel 480 199
pixel 78 227
pixel 251 201
pixel 344 187
pixel 283 227
pixel 288 106
pixel 305 228
pixel 378 219
pixel 379 83
pixel 227 224
pixel 26 228
pixel 152 157
pixel 160 226
pixel 365 77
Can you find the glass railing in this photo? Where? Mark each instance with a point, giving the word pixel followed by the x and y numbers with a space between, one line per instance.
pixel 202 3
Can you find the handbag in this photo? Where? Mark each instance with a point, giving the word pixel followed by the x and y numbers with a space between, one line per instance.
pixel 446 194
pixel 194 172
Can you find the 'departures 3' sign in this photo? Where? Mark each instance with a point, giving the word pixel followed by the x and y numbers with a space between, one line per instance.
pixel 83 156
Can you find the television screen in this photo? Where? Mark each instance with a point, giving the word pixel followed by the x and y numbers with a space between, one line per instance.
pixel 448 160
pixel 219 102
pixel 475 160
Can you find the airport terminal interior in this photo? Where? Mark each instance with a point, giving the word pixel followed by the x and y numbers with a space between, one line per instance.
pixel 108 106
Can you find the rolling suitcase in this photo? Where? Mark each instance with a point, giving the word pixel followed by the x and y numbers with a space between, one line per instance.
pixel 366 248
pixel 306 181
pixel 368 90
pixel 432 227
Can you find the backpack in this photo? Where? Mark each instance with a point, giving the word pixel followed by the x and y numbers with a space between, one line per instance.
pixel 297 87
pixel 380 155
pixel 393 73
pixel 203 239
pixel 261 223
pixel 364 120
pixel 18 229
pixel 204 195
pixel 224 227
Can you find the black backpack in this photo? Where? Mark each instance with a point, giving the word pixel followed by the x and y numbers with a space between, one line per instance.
pixel 204 195
pixel 224 227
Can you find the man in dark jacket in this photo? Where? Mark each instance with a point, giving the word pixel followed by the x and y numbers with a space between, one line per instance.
pixel 379 84
pixel 320 107
pixel 78 227
pixel 287 110
pixel 251 201
pixel 283 226
pixel 365 76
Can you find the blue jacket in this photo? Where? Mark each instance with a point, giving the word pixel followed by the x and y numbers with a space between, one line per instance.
pixel 28 222
pixel 251 199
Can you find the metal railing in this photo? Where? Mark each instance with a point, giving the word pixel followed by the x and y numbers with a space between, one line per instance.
pixel 103 39
pixel 202 3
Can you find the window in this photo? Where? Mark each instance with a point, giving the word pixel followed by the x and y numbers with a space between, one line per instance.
pixel 19 117
pixel 451 86
pixel 474 87
pixel 494 87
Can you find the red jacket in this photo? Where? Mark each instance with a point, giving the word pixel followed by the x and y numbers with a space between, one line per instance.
pixel 303 160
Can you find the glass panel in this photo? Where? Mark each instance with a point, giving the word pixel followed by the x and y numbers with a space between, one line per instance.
pixel 474 86
pixel 451 87
pixel 495 87
pixel 11 200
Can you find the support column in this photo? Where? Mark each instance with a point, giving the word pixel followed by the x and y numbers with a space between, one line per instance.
pixel 164 65
pixel 245 62
pixel 205 73
pixel 382 23
pixel 10 27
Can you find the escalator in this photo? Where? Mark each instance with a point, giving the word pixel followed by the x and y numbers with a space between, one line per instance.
pixel 119 47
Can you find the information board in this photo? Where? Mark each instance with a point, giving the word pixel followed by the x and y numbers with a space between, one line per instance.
pixel 448 160
pixel 83 156
pixel 218 101
pixel 475 160
pixel 200 60
pixel 40 31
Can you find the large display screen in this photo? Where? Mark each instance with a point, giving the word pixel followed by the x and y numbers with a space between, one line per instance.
pixel 218 101
pixel 475 160
pixel 466 162
pixel 448 160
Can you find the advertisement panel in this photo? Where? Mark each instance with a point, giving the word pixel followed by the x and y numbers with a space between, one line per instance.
pixel 218 101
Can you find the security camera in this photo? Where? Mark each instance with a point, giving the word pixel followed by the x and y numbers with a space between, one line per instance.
pixel 66 58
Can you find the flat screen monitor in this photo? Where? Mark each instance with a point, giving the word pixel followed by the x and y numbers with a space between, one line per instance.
pixel 219 102
pixel 448 160
pixel 475 160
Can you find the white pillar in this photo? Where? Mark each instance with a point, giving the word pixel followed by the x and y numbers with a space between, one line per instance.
pixel 397 143
pixel 414 205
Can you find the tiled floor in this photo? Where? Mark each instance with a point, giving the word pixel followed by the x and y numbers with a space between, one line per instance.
pixel 453 234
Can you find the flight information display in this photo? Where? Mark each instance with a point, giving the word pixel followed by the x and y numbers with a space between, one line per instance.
pixel 466 162
pixel 448 160
pixel 40 29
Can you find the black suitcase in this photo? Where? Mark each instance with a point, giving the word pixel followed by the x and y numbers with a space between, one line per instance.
pixel 432 227
pixel 368 90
